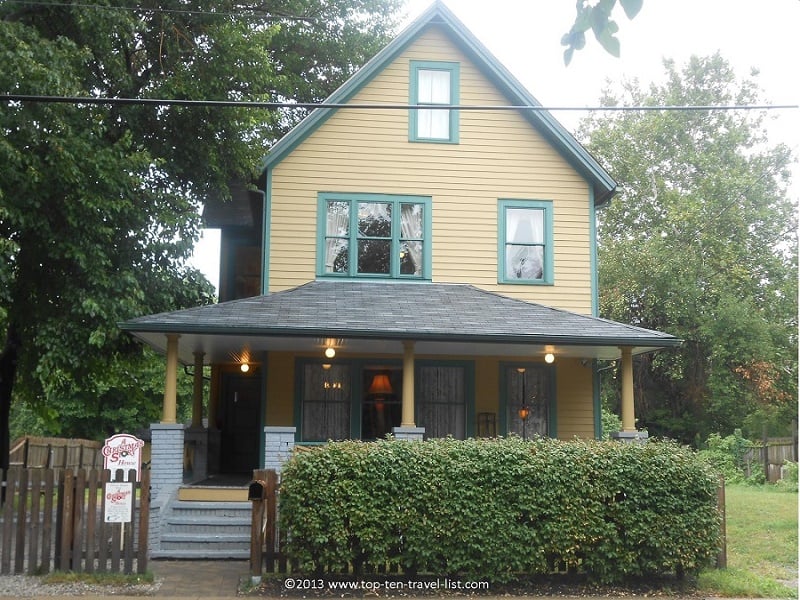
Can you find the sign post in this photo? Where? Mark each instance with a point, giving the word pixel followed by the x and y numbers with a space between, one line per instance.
pixel 121 451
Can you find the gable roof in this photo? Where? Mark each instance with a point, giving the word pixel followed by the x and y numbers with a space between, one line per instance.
pixel 441 318
pixel 602 184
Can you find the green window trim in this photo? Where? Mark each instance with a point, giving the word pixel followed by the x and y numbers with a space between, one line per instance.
pixel 544 274
pixel 397 241
pixel 415 68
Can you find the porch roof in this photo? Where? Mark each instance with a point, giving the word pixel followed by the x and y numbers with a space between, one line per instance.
pixel 375 317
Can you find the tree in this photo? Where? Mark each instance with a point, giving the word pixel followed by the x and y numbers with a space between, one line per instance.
pixel 596 15
pixel 702 243
pixel 99 204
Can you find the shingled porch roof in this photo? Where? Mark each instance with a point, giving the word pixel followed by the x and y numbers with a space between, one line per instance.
pixel 375 317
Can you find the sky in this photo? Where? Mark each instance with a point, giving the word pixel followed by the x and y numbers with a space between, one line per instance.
pixel 525 36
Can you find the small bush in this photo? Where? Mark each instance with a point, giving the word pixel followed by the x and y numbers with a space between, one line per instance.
pixel 496 509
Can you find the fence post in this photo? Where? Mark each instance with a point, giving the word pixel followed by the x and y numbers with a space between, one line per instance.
pixel 144 521
pixel 722 557
pixel 67 493
pixel 256 493
pixel 271 532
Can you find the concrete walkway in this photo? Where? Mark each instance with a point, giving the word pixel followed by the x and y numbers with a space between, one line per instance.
pixel 199 578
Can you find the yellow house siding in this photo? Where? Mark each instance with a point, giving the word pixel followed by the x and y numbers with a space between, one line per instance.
pixel 280 389
pixel 575 400
pixel 499 156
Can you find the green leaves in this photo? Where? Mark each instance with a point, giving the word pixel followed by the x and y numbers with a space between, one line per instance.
pixel 597 16
pixel 497 509
pixel 701 243
pixel 100 206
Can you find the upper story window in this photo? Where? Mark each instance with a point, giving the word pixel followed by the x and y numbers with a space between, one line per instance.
pixel 433 83
pixel 525 242
pixel 374 235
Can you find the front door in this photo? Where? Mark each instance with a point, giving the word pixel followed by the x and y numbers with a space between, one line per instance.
pixel 240 421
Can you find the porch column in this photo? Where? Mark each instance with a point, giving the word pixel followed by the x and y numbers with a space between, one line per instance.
pixel 197 398
pixel 628 415
pixel 169 410
pixel 407 415
pixel 408 429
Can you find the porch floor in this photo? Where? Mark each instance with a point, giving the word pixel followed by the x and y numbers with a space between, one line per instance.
pixel 223 487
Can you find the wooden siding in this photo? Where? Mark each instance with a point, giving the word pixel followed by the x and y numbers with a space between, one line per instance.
pixel 499 156
pixel 575 400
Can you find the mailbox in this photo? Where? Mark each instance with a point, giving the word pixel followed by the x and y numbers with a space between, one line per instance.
pixel 257 490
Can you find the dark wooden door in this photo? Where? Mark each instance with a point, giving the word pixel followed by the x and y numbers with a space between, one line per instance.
pixel 241 423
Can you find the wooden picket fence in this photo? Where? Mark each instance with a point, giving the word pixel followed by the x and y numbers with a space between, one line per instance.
pixel 54 520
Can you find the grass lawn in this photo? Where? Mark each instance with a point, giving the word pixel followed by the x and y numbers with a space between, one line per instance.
pixel 762 545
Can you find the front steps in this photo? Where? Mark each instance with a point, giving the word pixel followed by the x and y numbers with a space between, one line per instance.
pixel 205 529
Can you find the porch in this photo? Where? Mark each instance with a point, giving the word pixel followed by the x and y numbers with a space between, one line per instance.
pixel 359 360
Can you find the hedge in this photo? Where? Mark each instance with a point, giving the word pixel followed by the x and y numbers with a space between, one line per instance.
pixel 497 509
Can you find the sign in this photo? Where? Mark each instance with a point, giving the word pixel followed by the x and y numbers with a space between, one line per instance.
pixel 119 501
pixel 123 451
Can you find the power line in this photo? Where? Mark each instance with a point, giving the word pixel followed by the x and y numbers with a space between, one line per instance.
pixel 377 106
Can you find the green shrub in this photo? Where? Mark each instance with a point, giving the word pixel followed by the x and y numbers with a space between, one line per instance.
pixel 789 481
pixel 496 509
pixel 609 422
pixel 730 456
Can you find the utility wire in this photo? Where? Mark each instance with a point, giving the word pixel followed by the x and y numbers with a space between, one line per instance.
pixel 378 106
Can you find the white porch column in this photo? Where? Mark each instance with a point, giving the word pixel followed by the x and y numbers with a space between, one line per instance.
pixel 169 409
pixel 627 409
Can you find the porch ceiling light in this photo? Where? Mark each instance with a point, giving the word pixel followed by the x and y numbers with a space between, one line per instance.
pixel 330 352
pixel 549 358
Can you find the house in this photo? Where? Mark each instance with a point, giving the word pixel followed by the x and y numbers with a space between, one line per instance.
pixel 405 268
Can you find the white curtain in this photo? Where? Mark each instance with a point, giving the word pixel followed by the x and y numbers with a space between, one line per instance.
pixel 433 87
pixel 411 219
pixel 337 230
pixel 524 243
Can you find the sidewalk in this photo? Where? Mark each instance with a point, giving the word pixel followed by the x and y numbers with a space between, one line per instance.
pixel 199 578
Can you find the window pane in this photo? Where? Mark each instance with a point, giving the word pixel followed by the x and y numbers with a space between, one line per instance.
pixel 411 258
pixel 433 124
pixel 338 220
pixel 532 385
pixel 525 226
pixel 524 262
pixel 433 86
pixel 411 221
pixel 441 401
pixel 374 219
pixel 326 403
pixel 374 256
pixel 337 256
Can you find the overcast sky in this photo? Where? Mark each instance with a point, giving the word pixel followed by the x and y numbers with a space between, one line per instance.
pixel 525 35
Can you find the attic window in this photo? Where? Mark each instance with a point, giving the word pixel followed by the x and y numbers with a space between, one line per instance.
pixel 433 84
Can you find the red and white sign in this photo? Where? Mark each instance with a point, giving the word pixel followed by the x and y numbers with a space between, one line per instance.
pixel 119 502
pixel 123 451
